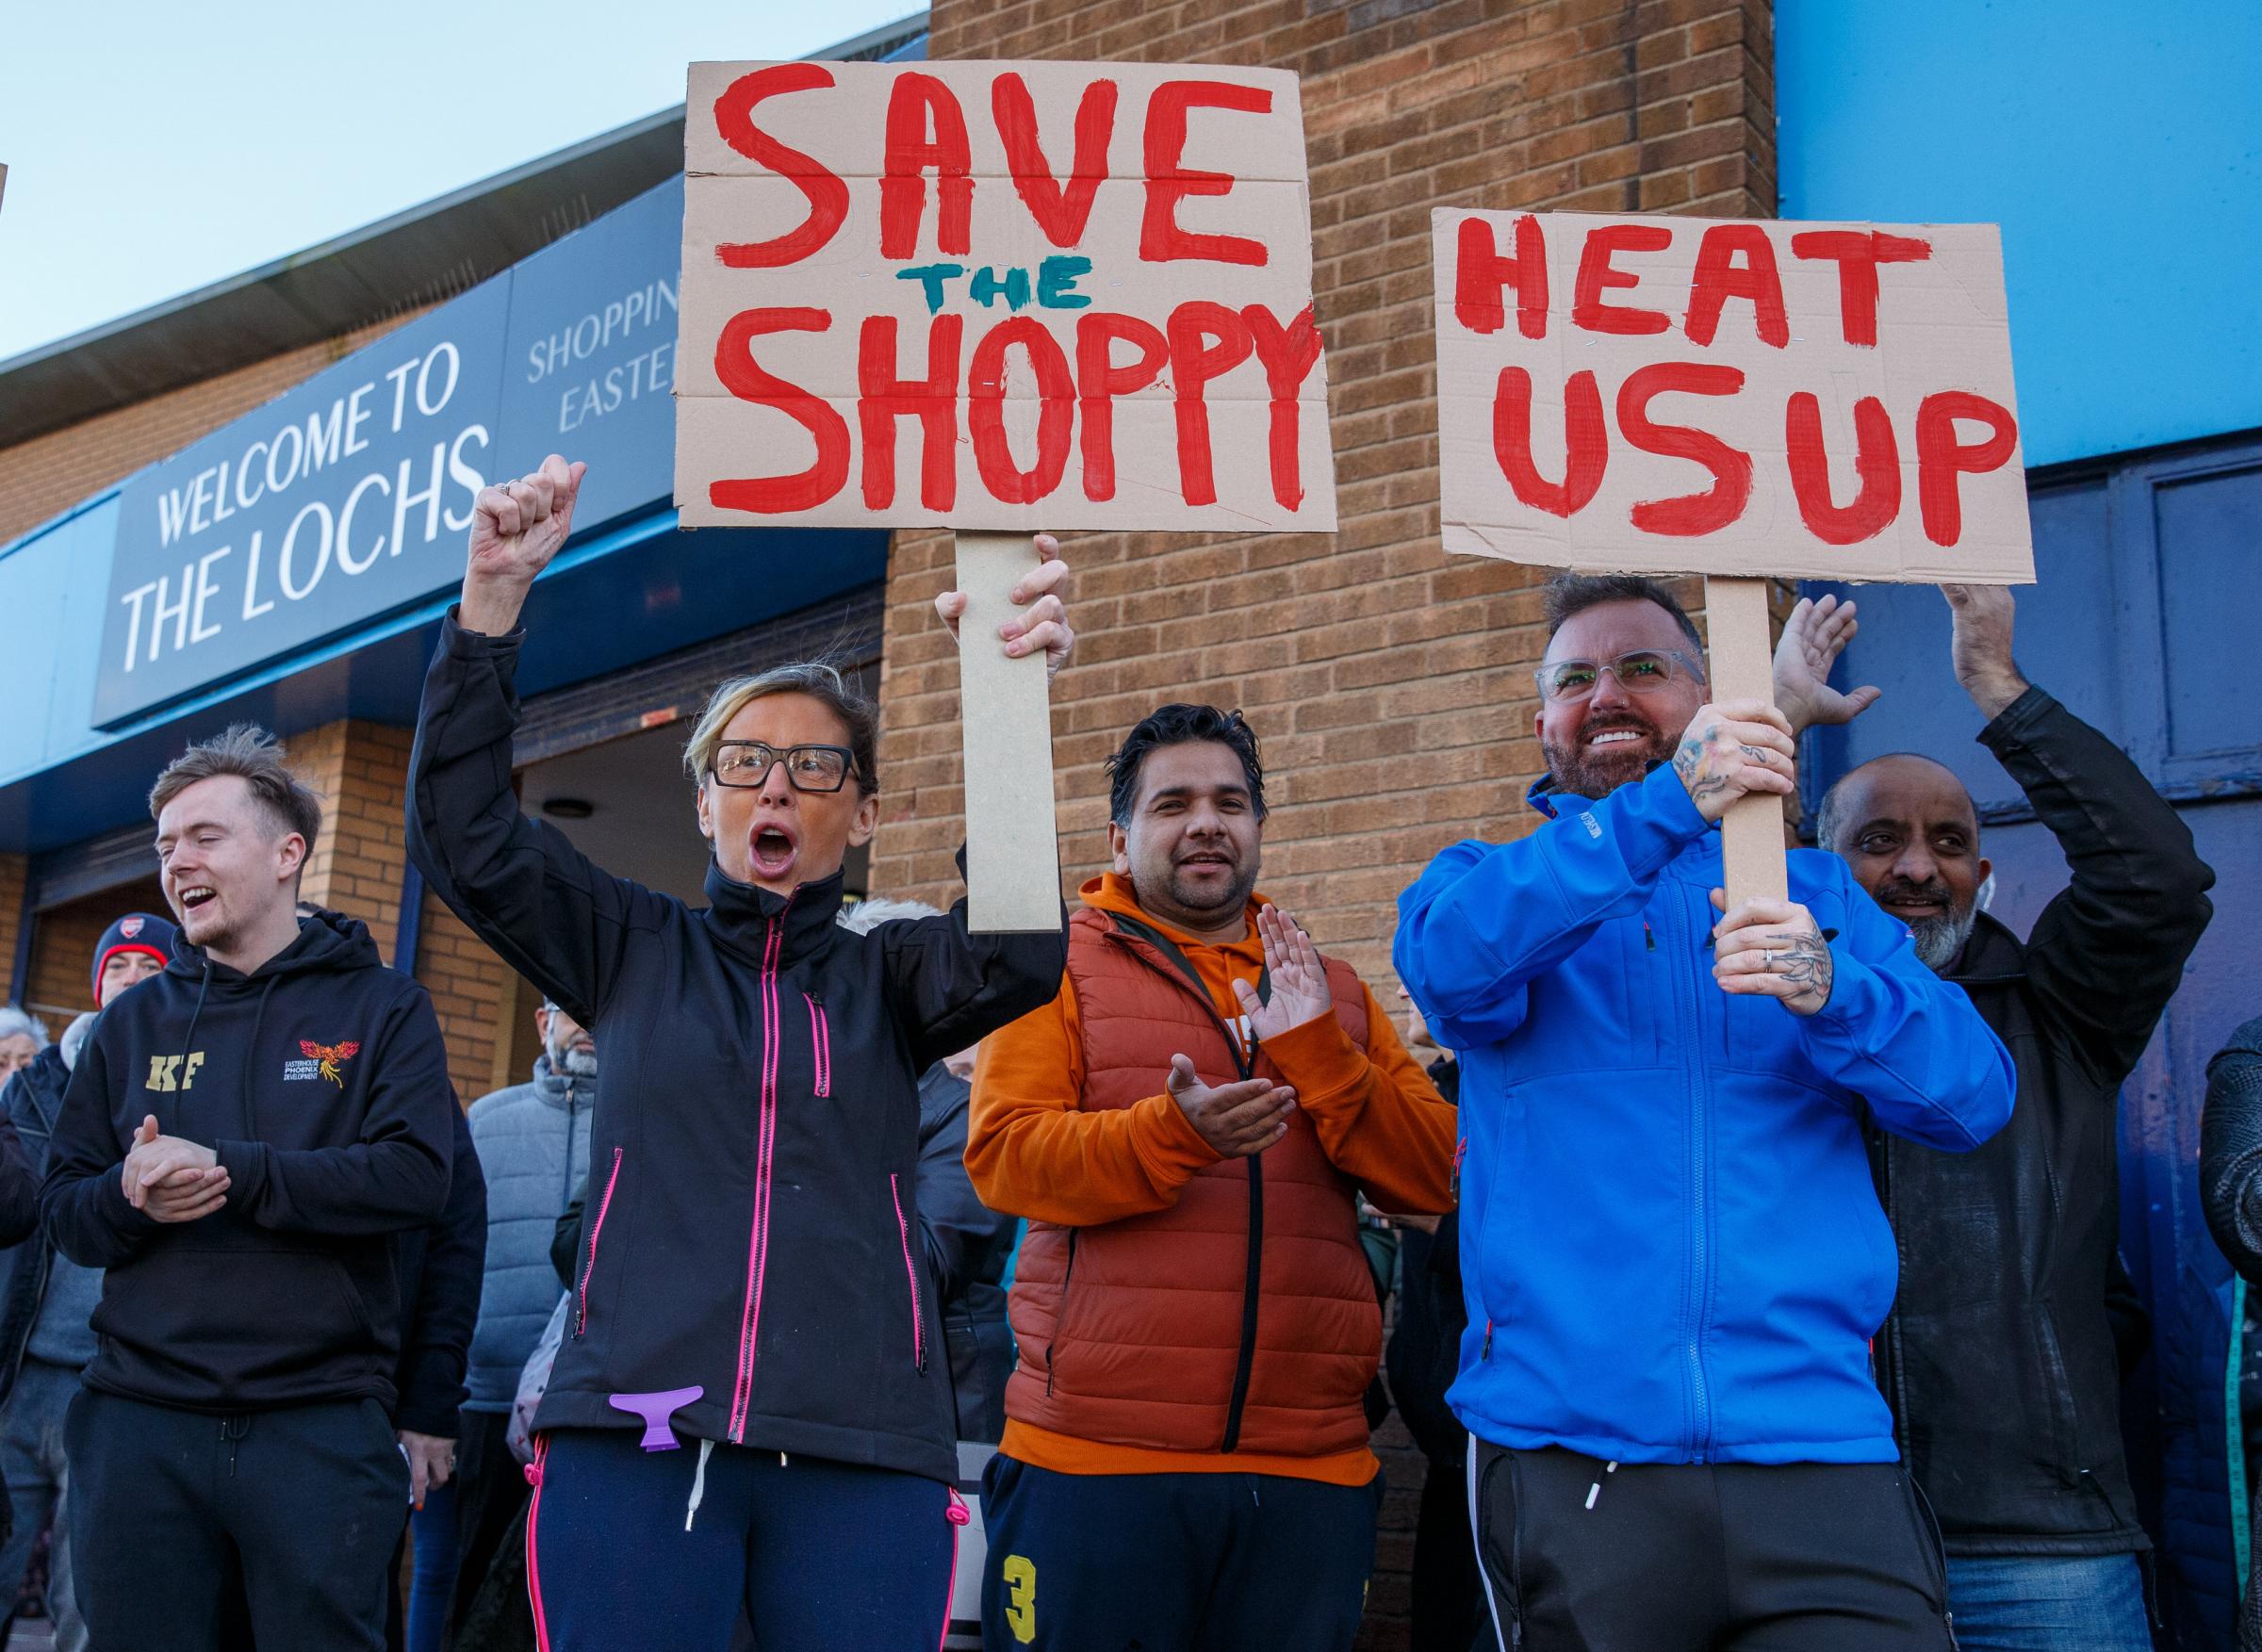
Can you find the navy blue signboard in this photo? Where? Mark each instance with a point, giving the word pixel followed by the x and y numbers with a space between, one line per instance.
pixel 590 369
pixel 349 498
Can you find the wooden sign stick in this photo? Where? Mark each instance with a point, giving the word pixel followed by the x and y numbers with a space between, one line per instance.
pixel 1751 834
pixel 1005 714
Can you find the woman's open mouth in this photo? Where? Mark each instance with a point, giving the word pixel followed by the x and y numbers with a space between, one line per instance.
pixel 772 850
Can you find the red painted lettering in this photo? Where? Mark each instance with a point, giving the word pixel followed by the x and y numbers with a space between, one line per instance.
pixel 1736 260
pixel 1206 339
pixel 1585 441
pixel 882 397
pixel 735 366
pixel 986 411
pixel 1857 253
pixel 1481 271
pixel 1594 276
pixel 1100 379
pixel 1287 353
pixel 1170 181
pixel 1877 467
pixel 1688 514
pixel 918 106
pixel 828 194
pixel 1941 458
pixel 1061 210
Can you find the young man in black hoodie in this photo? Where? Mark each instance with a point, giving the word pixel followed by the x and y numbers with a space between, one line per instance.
pixel 241 1140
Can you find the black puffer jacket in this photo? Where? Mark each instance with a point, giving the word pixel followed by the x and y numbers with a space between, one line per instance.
pixel 752 1272
pixel 1998 1358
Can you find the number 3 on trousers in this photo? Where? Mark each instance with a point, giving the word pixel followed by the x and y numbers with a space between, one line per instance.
pixel 1019 1578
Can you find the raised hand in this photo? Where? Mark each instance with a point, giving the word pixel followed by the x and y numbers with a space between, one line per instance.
pixel 1772 949
pixel 1813 637
pixel 1237 1119
pixel 1299 979
pixel 1042 622
pixel 1981 646
pixel 516 526
pixel 1733 748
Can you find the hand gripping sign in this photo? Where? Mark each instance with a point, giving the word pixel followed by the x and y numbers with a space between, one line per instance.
pixel 1739 399
pixel 999 297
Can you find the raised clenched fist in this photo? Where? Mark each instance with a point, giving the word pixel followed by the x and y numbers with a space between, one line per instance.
pixel 516 526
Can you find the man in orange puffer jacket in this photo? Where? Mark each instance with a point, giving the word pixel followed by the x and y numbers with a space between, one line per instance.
pixel 1189 1127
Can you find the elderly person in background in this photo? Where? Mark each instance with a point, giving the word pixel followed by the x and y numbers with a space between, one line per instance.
pixel 22 1037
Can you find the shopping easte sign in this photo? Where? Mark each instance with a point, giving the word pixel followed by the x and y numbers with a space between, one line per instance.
pixel 999 296
pixel 348 498
pixel 1680 394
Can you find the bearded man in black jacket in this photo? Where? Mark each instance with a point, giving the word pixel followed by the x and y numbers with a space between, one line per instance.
pixel 242 1140
pixel 1999 1358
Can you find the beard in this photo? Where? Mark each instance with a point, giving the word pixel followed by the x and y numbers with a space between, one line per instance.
pixel 1938 941
pixel 1593 773
pixel 1191 896
pixel 574 1063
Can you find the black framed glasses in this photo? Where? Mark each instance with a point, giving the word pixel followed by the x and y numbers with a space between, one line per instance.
pixel 1644 671
pixel 808 768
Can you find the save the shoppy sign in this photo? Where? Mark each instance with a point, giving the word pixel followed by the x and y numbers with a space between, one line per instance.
pixel 999 295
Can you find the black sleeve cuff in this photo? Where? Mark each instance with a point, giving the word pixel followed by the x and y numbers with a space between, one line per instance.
pixel 470 645
pixel 2013 722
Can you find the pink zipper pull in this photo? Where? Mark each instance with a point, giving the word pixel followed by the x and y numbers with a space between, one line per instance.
pixel 958 1513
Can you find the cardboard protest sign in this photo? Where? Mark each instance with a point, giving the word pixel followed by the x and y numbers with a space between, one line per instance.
pixel 1002 296
pixel 1680 394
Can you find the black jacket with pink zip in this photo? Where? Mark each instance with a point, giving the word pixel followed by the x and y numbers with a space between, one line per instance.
pixel 750 1271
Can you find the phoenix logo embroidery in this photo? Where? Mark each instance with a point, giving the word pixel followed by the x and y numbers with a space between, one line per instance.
pixel 329 1057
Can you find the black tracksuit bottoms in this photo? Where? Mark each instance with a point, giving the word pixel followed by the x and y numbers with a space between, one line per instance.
pixel 1736 1557
pixel 169 1508
pixel 1173 1562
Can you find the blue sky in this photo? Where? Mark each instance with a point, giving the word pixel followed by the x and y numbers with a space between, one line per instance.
pixel 153 149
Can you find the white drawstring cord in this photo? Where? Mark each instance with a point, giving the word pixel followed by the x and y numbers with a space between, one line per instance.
pixel 699 1483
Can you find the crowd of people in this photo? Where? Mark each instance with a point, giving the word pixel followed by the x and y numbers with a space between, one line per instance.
pixel 1755 1273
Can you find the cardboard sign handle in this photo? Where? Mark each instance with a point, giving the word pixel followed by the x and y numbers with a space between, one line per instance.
pixel 1005 720
pixel 1751 833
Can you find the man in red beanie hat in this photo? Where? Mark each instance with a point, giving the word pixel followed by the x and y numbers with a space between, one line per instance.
pixel 45 1337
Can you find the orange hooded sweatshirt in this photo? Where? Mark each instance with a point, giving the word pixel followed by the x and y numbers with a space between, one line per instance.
pixel 1035 1150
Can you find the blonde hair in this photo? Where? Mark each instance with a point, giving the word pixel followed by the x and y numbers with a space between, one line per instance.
pixel 820 681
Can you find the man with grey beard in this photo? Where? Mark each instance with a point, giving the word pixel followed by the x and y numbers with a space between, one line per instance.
pixel 1999 1359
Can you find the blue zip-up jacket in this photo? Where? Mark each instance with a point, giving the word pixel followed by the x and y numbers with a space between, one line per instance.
pixel 1671 1246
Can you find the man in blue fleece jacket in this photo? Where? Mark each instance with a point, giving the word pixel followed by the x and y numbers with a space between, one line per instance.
pixel 1673 1251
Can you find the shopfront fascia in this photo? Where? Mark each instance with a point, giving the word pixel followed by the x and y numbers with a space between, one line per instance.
pixel 291 568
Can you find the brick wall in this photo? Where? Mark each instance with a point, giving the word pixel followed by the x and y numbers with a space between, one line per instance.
pixel 51 473
pixel 1391 686
pixel 12 868
pixel 361 770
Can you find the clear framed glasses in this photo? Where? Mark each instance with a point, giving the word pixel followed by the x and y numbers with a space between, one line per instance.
pixel 808 768
pixel 1644 671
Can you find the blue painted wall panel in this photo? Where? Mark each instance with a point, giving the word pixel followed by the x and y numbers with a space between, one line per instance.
pixel 2119 147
